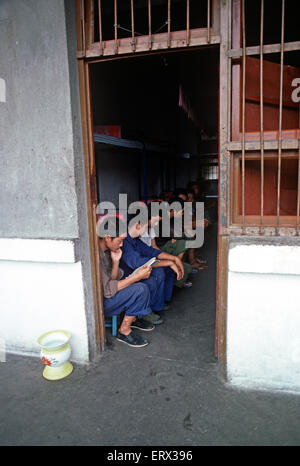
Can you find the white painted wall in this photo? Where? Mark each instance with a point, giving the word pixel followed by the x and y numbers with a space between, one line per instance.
pixel 37 250
pixel 37 296
pixel 263 320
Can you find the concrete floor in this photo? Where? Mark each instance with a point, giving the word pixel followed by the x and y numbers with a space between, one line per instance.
pixel 169 393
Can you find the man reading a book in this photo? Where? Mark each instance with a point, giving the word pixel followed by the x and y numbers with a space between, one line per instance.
pixel 123 294
pixel 161 281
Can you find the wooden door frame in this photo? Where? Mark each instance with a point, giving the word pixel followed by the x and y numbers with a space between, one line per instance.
pixel 92 201
pixel 224 164
pixel 224 184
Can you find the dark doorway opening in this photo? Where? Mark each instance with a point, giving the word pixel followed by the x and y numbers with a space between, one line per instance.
pixel 155 125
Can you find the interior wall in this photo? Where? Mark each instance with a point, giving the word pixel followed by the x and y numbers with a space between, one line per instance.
pixel 288 186
pixel 271 93
pixel 141 95
pixel 125 178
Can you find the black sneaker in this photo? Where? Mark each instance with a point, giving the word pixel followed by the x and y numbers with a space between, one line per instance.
pixel 142 324
pixel 133 339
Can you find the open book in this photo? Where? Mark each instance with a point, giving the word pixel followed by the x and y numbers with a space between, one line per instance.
pixel 150 262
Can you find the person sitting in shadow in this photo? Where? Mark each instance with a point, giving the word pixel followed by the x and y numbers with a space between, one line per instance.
pixel 175 243
pixel 161 281
pixel 120 294
pixel 189 253
pixel 195 261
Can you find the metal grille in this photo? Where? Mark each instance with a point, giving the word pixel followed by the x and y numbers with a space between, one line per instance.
pixel 278 145
pixel 105 32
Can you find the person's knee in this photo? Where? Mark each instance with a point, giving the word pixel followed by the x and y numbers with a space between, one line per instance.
pixel 151 283
pixel 141 290
pixel 159 273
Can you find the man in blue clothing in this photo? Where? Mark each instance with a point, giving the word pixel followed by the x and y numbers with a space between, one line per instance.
pixel 161 281
pixel 121 294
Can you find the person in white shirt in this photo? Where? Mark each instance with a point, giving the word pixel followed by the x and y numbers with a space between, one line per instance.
pixel 148 236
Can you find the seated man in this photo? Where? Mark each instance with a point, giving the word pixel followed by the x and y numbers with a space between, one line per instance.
pixel 161 281
pixel 200 264
pixel 174 246
pixel 129 294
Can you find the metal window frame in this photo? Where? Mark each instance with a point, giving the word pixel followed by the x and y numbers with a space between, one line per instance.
pixel 263 141
pixel 88 48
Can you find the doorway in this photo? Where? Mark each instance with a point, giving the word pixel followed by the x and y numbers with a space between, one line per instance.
pixel 155 129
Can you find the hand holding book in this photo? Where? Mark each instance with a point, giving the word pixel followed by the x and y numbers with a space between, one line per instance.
pixel 149 263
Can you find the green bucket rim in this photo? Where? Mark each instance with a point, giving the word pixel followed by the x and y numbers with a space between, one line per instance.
pixel 65 332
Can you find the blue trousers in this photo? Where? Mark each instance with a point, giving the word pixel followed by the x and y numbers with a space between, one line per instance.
pixel 169 282
pixel 134 300
pixel 160 284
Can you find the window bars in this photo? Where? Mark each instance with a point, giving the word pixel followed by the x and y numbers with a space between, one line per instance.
pixel 91 41
pixel 279 142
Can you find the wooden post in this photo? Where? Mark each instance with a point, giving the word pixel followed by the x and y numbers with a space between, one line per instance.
pixel 90 173
pixel 261 81
pixel 243 109
pixel 280 115
pixel 150 24
pixel 187 22
pixel 132 26
pixel 224 181
pixel 90 27
pixel 169 23
pixel 100 26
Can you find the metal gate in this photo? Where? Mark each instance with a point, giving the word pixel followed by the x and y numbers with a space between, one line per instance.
pixel 259 184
